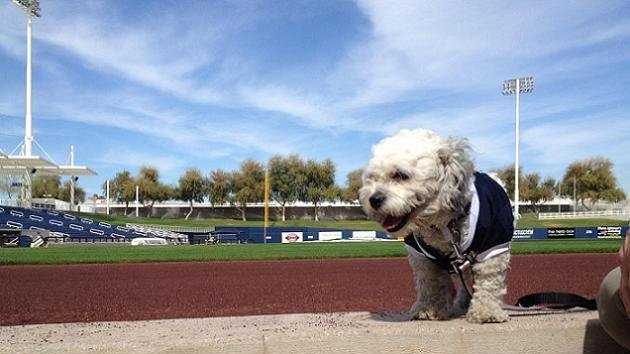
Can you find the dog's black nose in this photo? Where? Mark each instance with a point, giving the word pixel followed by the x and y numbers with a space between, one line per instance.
pixel 377 199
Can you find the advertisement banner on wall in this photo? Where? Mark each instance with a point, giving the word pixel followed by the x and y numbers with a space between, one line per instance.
pixel 585 232
pixel 523 233
pixel 560 232
pixel 609 232
pixel 291 237
pixel 364 235
pixel 329 235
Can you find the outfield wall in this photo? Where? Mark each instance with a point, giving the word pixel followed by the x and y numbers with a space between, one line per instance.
pixel 306 234
pixel 555 233
pixel 301 234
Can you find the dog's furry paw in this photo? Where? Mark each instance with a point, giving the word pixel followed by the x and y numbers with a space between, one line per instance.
pixel 429 314
pixel 480 314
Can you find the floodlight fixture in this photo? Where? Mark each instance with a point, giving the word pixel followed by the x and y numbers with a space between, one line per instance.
pixel 517 87
pixel 524 84
pixel 31 7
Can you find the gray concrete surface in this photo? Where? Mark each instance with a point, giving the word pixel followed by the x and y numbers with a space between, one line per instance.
pixel 577 332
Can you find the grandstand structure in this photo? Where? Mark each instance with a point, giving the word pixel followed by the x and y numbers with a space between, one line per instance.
pixel 17 172
pixel 21 165
pixel 52 225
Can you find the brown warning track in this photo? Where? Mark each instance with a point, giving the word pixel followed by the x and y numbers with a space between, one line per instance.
pixel 116 292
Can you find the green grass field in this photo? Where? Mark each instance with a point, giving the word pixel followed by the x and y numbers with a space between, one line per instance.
pixel 119 253
pixel 124 253
pixel 527 221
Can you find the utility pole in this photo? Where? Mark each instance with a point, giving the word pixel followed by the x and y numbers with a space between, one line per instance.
pixel 107 196
pixel 574 195
pixel 560 197
pixel 137 200
pixel 31 8
pixel 28 119
pixel 266 217
pixel 516 87
pixel 72 179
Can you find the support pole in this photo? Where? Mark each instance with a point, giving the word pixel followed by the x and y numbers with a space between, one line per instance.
pixel 26 190
pixel 516 162
pixel 28 129
pixel 266 205
pixel 137 200
pixel 560 197
pixel 72 179
pixel 71 193
pixel 574 195
pixel 107 196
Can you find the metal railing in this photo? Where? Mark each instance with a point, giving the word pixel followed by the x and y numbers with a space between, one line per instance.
pixel 584 214
pixel 9 202
pixel 174 228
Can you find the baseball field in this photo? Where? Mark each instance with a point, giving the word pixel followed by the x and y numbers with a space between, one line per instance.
pixel 123 253
pixel 277 298
pixel 324 305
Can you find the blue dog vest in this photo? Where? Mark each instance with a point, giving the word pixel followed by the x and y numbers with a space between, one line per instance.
pixel 490 222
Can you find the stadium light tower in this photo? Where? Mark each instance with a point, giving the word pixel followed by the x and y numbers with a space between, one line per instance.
pixel 31 8
pixel 516 87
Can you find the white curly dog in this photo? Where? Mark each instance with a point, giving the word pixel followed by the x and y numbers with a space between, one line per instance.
pixel 424 188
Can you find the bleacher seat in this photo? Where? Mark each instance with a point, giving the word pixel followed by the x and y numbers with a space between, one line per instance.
pixel 148 231
pixel 61 224
pixel 228 236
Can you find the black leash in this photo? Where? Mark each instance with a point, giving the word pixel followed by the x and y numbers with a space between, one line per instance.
pixel 556 301
pixel 458 262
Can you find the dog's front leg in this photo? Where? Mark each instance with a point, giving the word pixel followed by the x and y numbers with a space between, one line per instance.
pixel 489 289
pixel 434 290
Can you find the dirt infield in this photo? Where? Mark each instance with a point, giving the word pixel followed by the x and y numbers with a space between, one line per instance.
pixel 118 292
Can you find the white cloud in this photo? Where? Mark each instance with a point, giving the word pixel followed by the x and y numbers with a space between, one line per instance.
pixel 204 139
pixel 287 101
pixel 419 64
pixel 460 45
pixel 131 158
pixel 561 141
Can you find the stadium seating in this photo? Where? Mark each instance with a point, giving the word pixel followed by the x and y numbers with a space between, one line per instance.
pixel 153 232
pixel 228 236
pixel 60 224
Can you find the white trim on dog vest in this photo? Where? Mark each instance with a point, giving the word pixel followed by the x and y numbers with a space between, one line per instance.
pixel 493 252
pixel 472 225
pixel 494 222
pixel 472 218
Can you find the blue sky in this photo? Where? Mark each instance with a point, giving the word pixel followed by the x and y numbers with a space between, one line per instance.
pixel 176 84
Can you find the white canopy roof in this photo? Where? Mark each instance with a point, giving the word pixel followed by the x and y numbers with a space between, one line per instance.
pixel 67 171
pixel 24 162
pixel 42 166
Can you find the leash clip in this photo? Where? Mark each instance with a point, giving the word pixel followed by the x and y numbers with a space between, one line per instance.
pixel 459 265
pixel 461 262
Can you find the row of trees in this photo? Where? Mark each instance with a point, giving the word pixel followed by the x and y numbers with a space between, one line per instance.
pixel 51 187
pixel 592 180
pixel 294 179
pixel 291 179
pixel 151 189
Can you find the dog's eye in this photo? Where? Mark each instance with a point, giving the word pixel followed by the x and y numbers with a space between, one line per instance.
pixel 400 176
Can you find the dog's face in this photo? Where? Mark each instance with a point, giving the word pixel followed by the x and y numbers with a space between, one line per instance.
pixel 415 177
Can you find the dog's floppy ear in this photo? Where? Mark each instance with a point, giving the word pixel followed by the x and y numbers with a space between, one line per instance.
pixel 455 170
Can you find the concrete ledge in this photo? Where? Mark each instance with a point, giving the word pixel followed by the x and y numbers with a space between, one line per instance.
pixel 577 332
